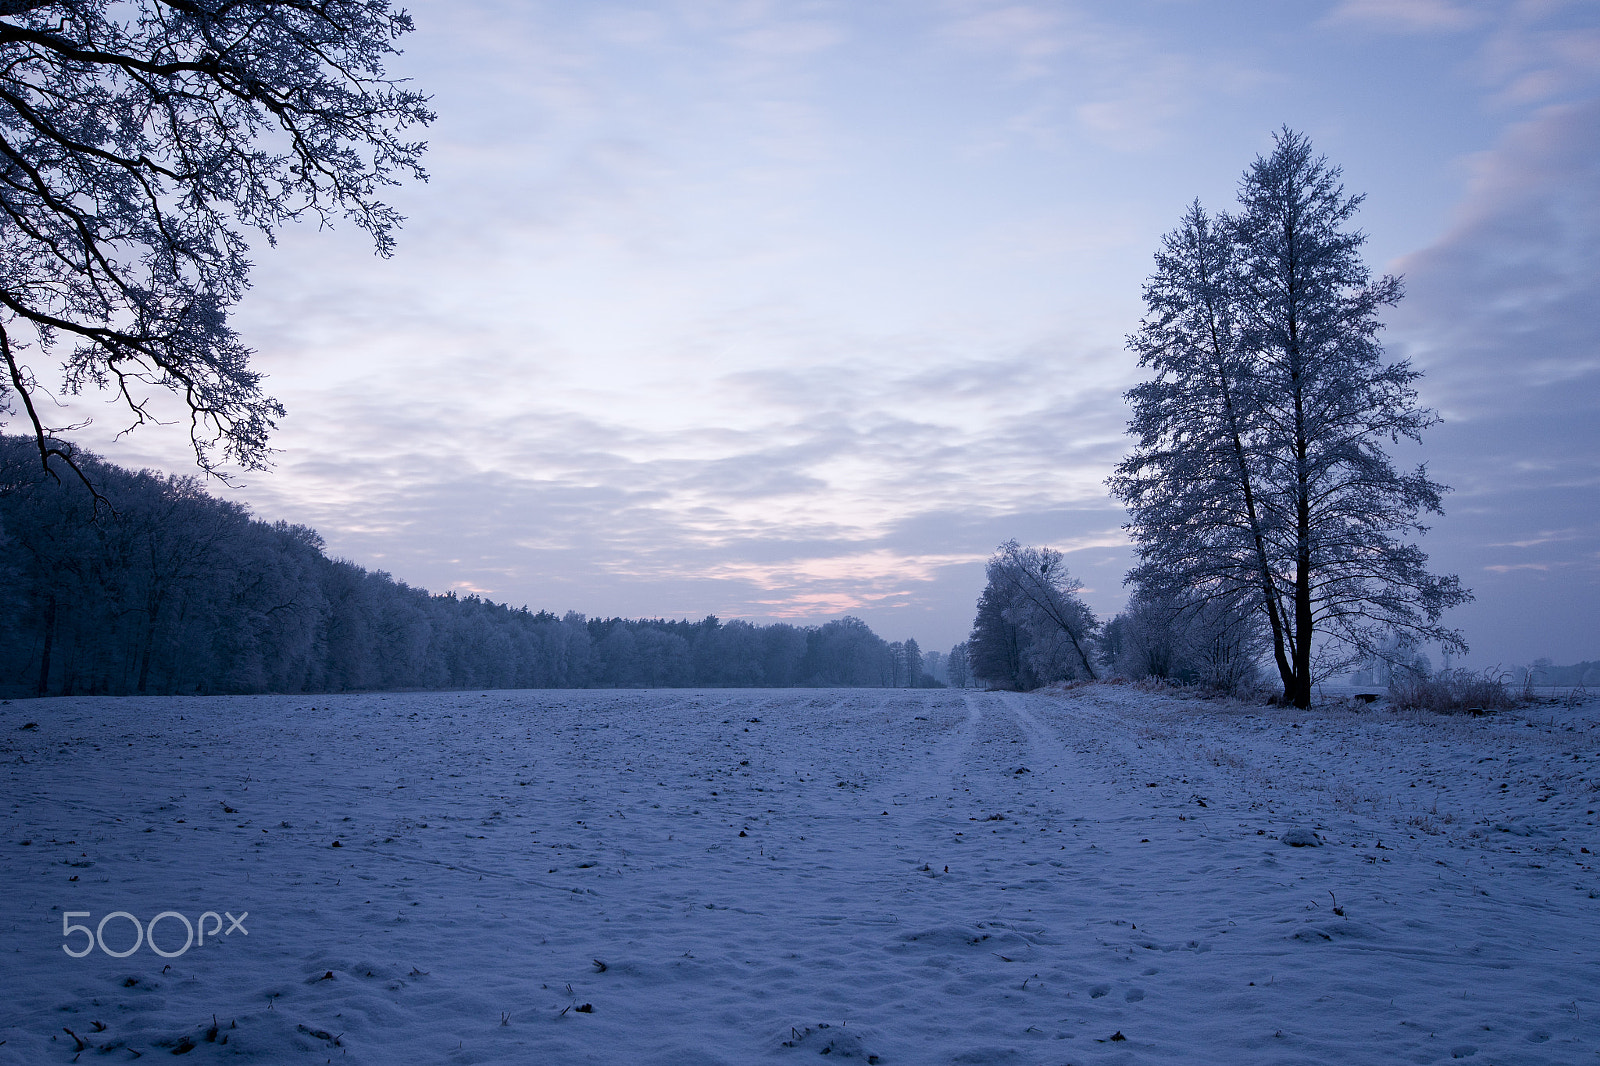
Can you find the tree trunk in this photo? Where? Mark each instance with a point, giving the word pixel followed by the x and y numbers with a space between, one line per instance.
pixel 1269 591
pixel 152 609
pixel 1300 696
pixel 1298 691
pixel 1083 656
pixel 49 643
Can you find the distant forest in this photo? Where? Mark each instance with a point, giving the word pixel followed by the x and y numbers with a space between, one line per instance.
pixel 175 591
pixel 1544 672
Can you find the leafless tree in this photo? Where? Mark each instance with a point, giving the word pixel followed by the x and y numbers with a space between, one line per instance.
pixel 139 139
pixel 1035 594
pixel 1260 473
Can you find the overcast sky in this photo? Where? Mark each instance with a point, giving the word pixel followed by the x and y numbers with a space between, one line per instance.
pixel 795 309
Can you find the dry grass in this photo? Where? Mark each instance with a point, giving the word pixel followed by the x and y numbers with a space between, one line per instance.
pixel 1345 797
pixel 1424 823
pixel 1220 756
pixel 1451 691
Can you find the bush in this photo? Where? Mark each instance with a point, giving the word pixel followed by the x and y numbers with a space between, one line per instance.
pixel 1450 690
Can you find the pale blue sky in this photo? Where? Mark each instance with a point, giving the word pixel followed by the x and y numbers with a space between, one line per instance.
pixel 798 309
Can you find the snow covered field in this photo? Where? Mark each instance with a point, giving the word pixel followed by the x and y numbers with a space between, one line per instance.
pixel 766 876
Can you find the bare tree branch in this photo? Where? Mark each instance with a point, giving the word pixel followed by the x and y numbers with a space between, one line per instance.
pixel 137 141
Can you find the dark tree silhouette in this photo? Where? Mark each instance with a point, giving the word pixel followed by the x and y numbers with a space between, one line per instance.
pixel 174 591
pixel 995 651
pixel 1260 475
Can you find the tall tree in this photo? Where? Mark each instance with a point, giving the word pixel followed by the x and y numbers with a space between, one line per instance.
pixel 138 139
pixel 913 652
pixel 895 673
pixel 1192 483
pixel 1260 474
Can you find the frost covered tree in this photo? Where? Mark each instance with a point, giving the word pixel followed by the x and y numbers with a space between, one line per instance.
pixel 1260 475
pixel 1395 658
pixel 1043 599
pixel 1214 642
pixel 1145 640
pixel 1224 642
pixel 139 139
pixel 1031 627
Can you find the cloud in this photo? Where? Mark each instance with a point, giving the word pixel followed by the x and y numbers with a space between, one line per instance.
pixel 1500 310
pixel 1528 52
pixel 806 587
pixel 1407 16
pixel 1500 316
pixel 774 493
pixel 1543 537
pixel 882 566
pixel 1111 81
pixel 1033 36
pixel 816 460
pixel 1543 53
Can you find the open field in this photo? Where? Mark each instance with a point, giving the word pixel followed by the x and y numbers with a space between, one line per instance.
pixel 902 877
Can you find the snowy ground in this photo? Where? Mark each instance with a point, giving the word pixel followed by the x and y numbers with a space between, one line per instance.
pixel 919 877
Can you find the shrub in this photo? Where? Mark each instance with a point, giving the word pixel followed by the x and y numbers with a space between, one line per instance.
pixel 1450 690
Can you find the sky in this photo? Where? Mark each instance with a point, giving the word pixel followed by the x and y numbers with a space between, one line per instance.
pixel 788 310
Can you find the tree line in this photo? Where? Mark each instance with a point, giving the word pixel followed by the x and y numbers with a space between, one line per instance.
pixel 171 590
pixel 1545 672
